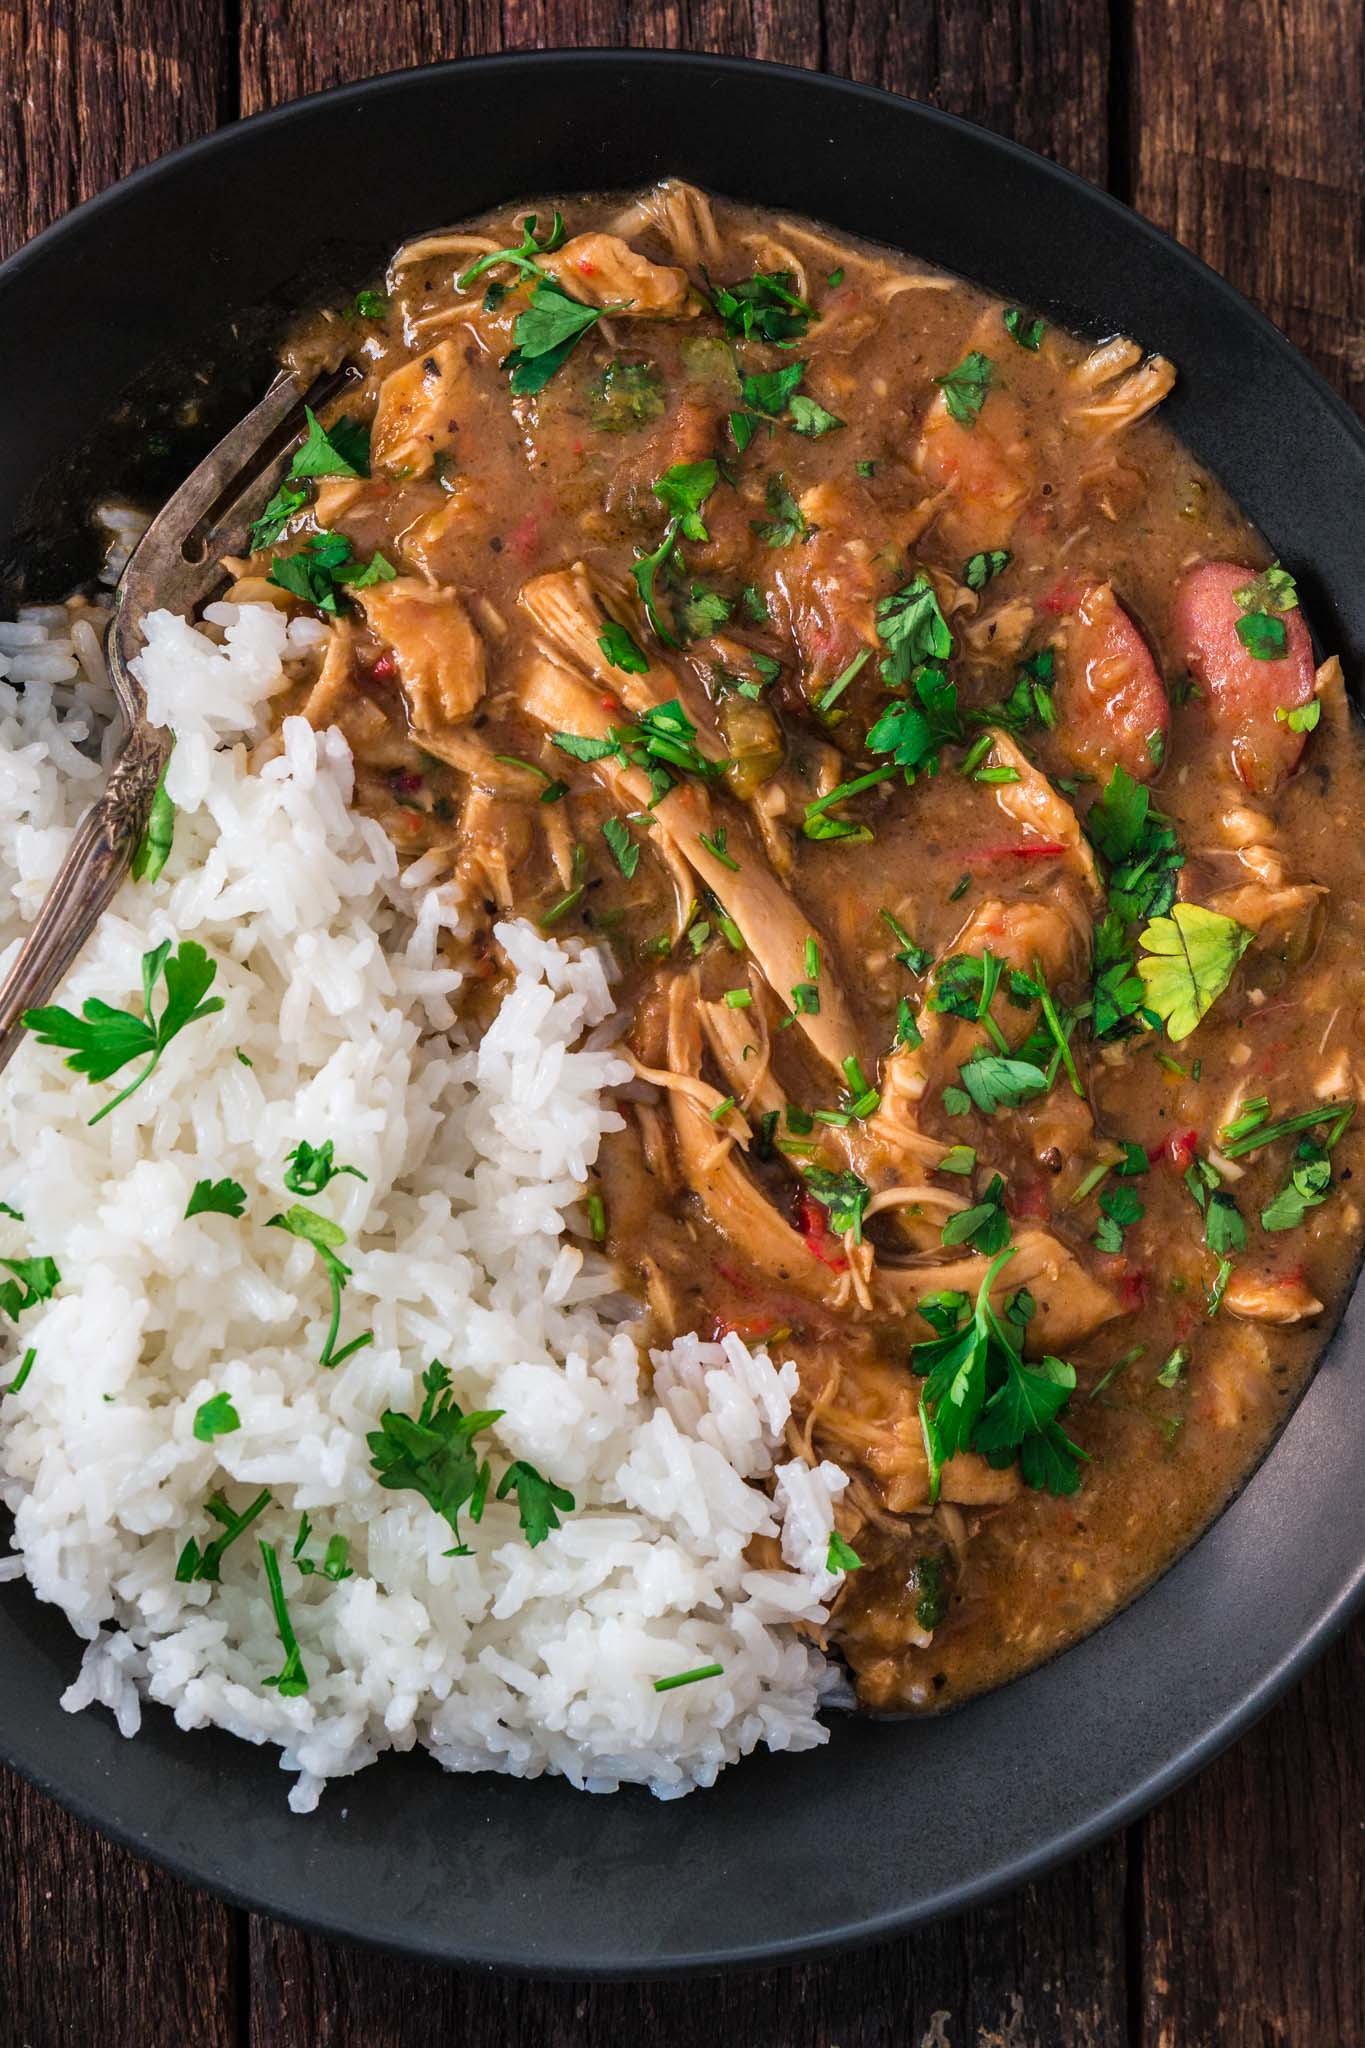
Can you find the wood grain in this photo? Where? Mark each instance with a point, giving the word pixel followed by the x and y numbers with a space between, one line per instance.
pixel 1045 1966
pixel 1253 1877
pixel 1249 144
pixel 97 1947
pixel 91 89
pixel 1233 1916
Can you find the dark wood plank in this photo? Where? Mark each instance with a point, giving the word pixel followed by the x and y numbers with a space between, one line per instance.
pixel 106 86
pixel 1253 1882
pixel 96 1946
pixel 1043 1967
pixel 1031 69
pixel 1248 134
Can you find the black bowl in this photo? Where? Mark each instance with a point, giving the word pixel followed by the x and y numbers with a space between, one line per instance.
pixel 893 1823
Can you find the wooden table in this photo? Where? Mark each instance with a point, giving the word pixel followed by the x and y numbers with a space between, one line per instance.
pixel 1234 1916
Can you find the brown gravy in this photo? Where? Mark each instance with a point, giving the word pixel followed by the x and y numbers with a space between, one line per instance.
pixel 946 493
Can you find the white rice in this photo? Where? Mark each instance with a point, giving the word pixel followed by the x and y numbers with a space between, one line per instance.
pixel 515 1659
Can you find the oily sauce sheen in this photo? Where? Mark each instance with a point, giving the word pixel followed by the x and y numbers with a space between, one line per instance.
pixel 944 493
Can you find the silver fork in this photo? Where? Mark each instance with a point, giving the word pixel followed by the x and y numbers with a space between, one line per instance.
pixel 175 565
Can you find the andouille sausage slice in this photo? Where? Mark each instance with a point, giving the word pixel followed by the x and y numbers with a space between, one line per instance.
pixel 1111 703
pixel 1243 691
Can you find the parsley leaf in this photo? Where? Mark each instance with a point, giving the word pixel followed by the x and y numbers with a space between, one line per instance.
pixel 762 307
pixel 216 1198
pixel 545 336
pixel 964 388
pixel 155 849
pixel 785 522
pixel 1028 333
pixel 1188 961
pixel 1309 1184
pixel 913 734
pixel 682 490
pixel 215 1417
pixel 810 418
pixel 622 650
pixel 342 450
pixel 537 1500
pixel 432 1453
pixel 322 569
pixel 978 570
pixel 325 1237
pixel 34 1280
pixel 841 1556
pixel 624 850
pixel 104 1039
pixel 995 1082
pixel 1120 1209
pixel 912 629
pixel 985 1227
pixel 978 1394
pixel 287 500
pixel 292 1680
pixel 845 1195
pixel 308 1169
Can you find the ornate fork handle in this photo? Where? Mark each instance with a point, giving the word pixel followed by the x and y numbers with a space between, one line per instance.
pixel 96 862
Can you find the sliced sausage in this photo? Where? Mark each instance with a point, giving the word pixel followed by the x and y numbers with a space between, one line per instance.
pixel 1111 702
pixel 1243 692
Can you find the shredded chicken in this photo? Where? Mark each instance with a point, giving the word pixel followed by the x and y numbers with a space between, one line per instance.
pixel 602 270
pixel 440 658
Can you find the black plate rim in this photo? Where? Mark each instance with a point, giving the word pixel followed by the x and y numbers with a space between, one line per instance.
pixel 1331 1618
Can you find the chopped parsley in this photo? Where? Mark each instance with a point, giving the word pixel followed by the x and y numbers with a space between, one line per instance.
pixel 1187 961
pixel 323 571
pixel 215 1417
pixel 622 650
pixel 762 307
pixel 913 733
pixel 624 850
pixel 964 388
pixel 546 334
pixel 682 491
pixel 103 1039
pixel 785 522
pixel 325 1237
pixel 34 1280
pixel 1119 1210
pixel 994 1081
pixel 155 847
pixel 985 1227
pixel 292 1679
pixel 1030 701
pixel 308 1169
pixel 912 629
pixel 1309 1184
pixel 844 1195
pixel 433 1454
pixel 978 570
pixel 689 1677
pixel 1259 629
pixel 333 1567
pixel 1028 333
pixel 206 1564
pixel 915 959
pixel 216 1198
pixel 978 1394
pixel 26 1365
pixel 841 1556
pixel 371 306
pixel 342 450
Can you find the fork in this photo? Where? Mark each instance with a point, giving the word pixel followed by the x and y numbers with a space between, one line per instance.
pixel 175 565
